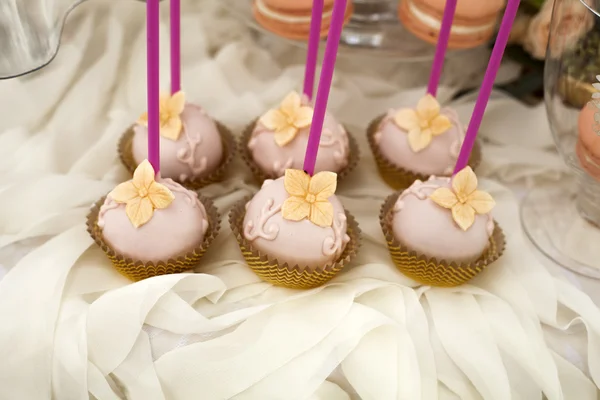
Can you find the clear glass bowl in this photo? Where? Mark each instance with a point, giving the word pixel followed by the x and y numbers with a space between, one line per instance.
pixel 564 222
pixel 30 32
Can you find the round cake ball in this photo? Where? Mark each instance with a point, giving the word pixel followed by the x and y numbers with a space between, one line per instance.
pixel 458 231
pixel 588 143
pixel 302 242
pixel 190 143
pixel 425 140
pixel 280 138
pixel 144 222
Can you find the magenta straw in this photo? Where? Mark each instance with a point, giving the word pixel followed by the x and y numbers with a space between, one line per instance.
pixel 152 61
pixel 488 83
pixel 331 50
pixel 314 37
pixel 442 46
pixel 175 46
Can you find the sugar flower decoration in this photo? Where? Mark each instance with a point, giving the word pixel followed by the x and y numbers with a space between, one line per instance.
pixel 142 195
pixel 288 119
pixel 423 123
pixel 464 199
pixel 309 197
pixel 170 111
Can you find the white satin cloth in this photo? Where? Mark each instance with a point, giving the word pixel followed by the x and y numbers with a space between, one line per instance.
pixel 72 327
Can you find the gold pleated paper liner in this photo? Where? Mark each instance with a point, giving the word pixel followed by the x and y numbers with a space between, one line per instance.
pixel 430 271
pixel 261 176
pixel 137 270
pixel 399 178
pixel 293 277
pixel 229 148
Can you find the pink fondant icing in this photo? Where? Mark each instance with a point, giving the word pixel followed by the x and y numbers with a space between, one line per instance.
pixel 273 159
pixel 196 153
pixel 438 158
pixel 302 243
pixel 429 229
pixel 171 232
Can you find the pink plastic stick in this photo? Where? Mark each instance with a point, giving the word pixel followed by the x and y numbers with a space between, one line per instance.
pixel 442 45
pixel 488 83
pixel 314 37
pixel 331 50
pixel 152 61
pixel 175 16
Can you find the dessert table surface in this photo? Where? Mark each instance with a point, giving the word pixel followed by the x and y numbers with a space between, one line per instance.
pixel 72 326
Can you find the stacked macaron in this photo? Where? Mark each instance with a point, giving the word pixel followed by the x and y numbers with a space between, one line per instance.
pixel 291 18
pixel 474 21
pixel 588 142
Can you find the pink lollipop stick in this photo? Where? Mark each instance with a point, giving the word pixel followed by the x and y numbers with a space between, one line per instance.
pixel 331 50
pixel 175 17
pixel 152 61
pixel 441 47
pixel 488 83
pixel 314 36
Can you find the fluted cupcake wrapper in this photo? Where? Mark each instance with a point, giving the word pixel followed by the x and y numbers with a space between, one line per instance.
pixel 229 148
pixel 261 176
pixel 429 270
pixel 281 274
pixel 137 270
pixel 399 178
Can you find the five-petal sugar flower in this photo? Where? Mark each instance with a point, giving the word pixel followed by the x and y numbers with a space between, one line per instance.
pixel 142 195
pixel 423 123
pixel 170 111
pixel 464 199
pixel 288 119
pixel 309 197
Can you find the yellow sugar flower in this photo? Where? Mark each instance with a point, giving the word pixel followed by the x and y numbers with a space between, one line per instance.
pixel 170 111
pixel 309 197
pixel 464 199
pixel 288 119
pixel 142 195
pixel 423 123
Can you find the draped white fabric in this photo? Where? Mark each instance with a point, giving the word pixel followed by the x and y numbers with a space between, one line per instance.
pixel 73 327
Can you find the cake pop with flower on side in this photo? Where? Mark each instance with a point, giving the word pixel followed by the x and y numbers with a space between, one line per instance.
pixel 277 140
pixel 295 232
pixel 149 225
pixel 440 230
pixel 413 143
pixel 195 148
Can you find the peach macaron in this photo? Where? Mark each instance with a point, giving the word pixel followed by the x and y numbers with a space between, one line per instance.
pixel 588 142
pixel 474 20
pixel 291 18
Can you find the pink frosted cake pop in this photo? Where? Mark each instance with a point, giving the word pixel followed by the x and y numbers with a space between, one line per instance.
pixel 295 232
pixel 289 241
pixel 411 144
pixel 149 227
pixel 279 138
pixel 193 148
pixel 440 232
pixel 424 223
